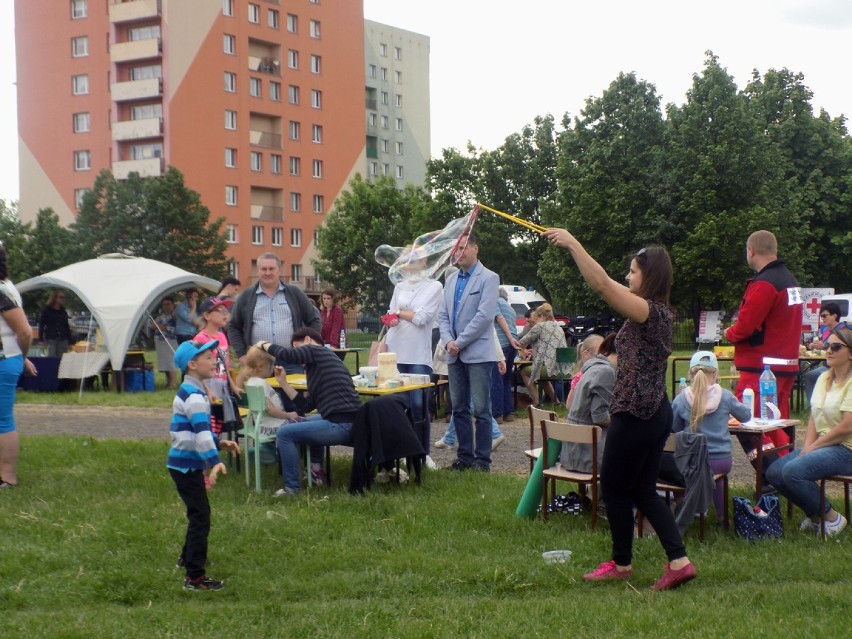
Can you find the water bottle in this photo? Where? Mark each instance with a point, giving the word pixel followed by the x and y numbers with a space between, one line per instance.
pixel 342 338
pixel 748 400
pixel 768 391
pixel 682 386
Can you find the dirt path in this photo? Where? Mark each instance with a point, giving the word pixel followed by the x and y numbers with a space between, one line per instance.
pixel 153 423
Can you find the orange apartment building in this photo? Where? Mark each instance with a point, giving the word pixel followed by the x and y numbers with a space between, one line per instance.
pixel 260 104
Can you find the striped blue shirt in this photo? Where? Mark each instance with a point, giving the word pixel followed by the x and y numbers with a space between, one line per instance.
pixel 194 446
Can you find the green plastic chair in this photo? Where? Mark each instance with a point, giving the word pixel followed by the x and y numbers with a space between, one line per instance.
pixel 251 430
pixel 566 358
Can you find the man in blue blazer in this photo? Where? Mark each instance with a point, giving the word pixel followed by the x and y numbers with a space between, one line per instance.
pixel 466 318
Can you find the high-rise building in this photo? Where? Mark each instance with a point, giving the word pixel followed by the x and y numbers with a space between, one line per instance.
pixel 258 103
pixel 397 100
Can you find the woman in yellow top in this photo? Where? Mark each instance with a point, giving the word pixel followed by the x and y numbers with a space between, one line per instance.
pixel 828 441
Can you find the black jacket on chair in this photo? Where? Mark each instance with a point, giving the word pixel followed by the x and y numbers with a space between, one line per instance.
pixel 383 431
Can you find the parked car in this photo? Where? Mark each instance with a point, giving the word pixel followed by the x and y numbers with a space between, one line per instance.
pixel 524 299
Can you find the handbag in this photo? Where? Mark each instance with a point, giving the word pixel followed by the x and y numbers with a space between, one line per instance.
pixel 379 346
pixel 765 524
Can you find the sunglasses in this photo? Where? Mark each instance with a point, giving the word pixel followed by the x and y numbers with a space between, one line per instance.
pixel 824 314
pixel 834 347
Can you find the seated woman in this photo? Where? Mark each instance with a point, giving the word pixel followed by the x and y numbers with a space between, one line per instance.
pixel 828 441
pixel 258 366
pixel 705 407
pixel 543 338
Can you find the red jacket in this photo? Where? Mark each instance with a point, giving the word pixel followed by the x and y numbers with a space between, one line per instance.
pixel 769 323
pixel 332 324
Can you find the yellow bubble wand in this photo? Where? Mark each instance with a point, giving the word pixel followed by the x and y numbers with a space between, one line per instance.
pixel 517 220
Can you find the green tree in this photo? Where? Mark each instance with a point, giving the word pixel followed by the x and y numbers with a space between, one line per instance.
pixel 364 217
pixel 157 218
pixel 48 244
pixel 14 235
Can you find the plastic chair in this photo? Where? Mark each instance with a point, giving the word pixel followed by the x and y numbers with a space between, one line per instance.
pixel 536 415
pixel 251 430
pixel 566 358
pixel 577 434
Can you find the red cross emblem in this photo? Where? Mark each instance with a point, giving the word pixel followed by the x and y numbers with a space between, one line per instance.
pixel 813 305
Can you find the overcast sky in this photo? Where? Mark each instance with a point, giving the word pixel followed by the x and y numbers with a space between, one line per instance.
pixel 496 64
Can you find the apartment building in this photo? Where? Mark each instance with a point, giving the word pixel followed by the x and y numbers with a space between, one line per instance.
pixel 397 101
pixel 258 103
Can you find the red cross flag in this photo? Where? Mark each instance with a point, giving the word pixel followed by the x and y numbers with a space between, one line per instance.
pixel 812 298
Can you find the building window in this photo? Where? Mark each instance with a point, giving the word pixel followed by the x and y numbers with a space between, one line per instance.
pixel 397 53
pixel 292 23
pixel 231 195
pixel 399 124
pixel 316 64
pixel 80 47
pixel 146 151
pixel 295 238
pixel 385 122
pixel 317 168
pixel 385 145
pixel 230 158
pixel 78 197
pixel 398 97
pixel 399 171
pixel 292 58
pixel 146 72
pixel 295 130
pixel 315 1
pixel 296 202
pixel 81 123
pixel 373 168
pixel 295 272
pixel 228 8
pixel 231 120
pixel 384 97
pixel 295 165
pixel 229 43
pixel 256 161
pixel 293 94
pixel 231 233
pixel 319 202
pixel 272 18
pixel 399 148
pixel 143 33
pixel 253 13
pixel 277 235
pixel 80 84
pixel 275 164
pixel 146 111
pixel 257 235
pixel 82 160
pixel 316 134
pixel 385 169
pixel 371 70
pixel 230 82
pixel 315 29
pixel 255 87
pixel 316 234
pixel 371 119
pixel 79 9
pixel 316 98
pixel 397 77
pixel 383 49
pixel 385 74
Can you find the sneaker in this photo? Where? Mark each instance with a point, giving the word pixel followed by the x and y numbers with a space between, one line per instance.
pixel 4 485
pixel 497 441
pixel 499 420
pixel 443 444
pixel 482 468
pixel 508 417
pixel 286 492
pixel 808 526
pixel 430 463
pixel 460 465
pixel 318 477
pixel 608 572
pixel 834 527
pixel 672 579
pixel 202 583
pixel 385 476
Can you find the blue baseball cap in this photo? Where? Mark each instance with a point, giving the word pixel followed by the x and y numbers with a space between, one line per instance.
pixel 189 350
pixel 704 358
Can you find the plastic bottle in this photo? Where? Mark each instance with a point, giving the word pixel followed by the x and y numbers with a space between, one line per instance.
pixel 342 338
pixel 768 391
pixel 748 400
pixel 682 386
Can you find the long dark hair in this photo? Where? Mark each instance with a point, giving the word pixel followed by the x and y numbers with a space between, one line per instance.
pixel 657 274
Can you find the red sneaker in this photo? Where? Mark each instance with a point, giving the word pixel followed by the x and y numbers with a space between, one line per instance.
pixel 671 579
pixel 608 572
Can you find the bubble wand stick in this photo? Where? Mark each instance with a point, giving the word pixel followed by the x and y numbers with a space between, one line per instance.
pixel 517 220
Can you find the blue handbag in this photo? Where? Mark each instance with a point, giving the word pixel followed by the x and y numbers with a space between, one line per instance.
pixel 765 523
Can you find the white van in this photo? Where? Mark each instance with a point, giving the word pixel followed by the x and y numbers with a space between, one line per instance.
pixel 844 301
pixel 522 299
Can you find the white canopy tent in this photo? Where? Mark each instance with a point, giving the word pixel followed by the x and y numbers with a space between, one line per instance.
pixel 119 290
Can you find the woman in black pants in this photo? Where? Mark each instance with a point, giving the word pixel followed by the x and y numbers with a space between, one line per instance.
pixel 641 414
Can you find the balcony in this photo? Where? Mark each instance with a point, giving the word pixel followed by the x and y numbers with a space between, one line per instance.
pixel 265 139
pixel 136 89
pixel 371 104
pixel 267 213
pixel 151 167
pixel 372 153
pixel 134 10
pixel 137 129
pixel 136 50
pixel 266 64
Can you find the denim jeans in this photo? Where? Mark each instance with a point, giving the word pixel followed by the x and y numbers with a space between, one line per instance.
pixel 315 432
pixel 501 385
pixel 795 475
pixel 471 384
pixel 415 400
pixel 450 434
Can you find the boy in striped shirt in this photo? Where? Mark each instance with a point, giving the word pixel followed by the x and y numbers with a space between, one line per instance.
pixel 195 450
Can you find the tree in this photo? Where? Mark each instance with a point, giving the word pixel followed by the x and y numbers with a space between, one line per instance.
pixel 156 218
pixel 14 236
pixel 364 217
pixel 48 244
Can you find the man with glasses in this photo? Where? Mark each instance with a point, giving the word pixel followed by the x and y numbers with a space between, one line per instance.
pixel 829 319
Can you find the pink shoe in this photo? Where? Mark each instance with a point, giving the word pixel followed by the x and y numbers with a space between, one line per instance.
pixel 608 572
pixel 671 579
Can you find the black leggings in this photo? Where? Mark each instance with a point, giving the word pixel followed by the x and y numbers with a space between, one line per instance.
pixel 631 464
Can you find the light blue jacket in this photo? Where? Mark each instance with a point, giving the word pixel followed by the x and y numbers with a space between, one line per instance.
pixel 475 321
pixel 714 425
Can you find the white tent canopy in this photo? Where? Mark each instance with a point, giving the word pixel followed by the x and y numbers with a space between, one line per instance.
pixel 118 290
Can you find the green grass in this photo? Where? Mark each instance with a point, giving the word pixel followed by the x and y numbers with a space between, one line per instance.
pixel 91 536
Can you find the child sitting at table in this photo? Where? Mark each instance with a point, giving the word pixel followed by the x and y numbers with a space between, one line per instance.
pixel 259 365
pixel 705 407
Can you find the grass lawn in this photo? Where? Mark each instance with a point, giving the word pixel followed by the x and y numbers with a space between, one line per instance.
pixel 91 536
